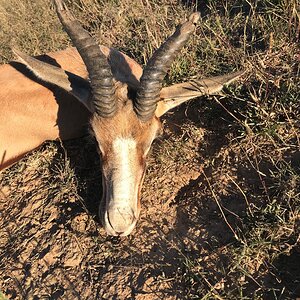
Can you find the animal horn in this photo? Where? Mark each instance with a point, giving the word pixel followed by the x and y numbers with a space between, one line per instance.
pixel 99 70
pixel 157 67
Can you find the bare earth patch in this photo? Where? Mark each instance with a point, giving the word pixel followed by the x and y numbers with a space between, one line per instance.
pixel 53 247
pixel 57 249
pixel 220 204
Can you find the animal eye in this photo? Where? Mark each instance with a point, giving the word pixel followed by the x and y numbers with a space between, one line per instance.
pixel 99 149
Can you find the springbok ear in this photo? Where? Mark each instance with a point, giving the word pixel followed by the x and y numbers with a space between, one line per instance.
pixel 73 84
pixel 176 94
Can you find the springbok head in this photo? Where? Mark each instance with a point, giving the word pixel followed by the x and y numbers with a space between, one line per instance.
pixel 125 115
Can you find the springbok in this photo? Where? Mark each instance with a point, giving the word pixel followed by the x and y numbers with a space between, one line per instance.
pixel 121 101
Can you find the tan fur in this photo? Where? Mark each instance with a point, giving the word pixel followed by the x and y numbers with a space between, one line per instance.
pixel 124 125
pixel 35 111
pixel 32 112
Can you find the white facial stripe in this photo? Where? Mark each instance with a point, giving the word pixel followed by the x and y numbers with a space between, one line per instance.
pixel 125 155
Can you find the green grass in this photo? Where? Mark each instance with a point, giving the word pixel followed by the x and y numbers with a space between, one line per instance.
pixel 2 297
pixel 237 234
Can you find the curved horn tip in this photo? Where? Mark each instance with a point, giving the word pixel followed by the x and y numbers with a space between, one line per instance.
pixel 194 17
pixel 20 55
pixel 16 52
pixel 60 5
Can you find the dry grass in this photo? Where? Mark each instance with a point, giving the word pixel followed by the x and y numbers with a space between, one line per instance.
pixel 221 198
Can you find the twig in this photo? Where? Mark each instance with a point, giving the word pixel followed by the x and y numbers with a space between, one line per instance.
pixel 221 209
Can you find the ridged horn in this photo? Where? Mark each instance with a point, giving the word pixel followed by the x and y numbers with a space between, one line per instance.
pixel 99 70
pixel 157 67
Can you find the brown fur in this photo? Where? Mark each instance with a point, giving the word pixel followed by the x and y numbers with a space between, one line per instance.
pixel 124 139
pixel 125 124
pixel 32 111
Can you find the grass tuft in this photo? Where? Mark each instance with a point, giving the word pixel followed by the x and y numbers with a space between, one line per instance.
pixel 221 198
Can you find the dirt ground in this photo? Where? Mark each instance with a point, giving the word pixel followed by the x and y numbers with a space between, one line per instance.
pixel 53 247
pixel 220 202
